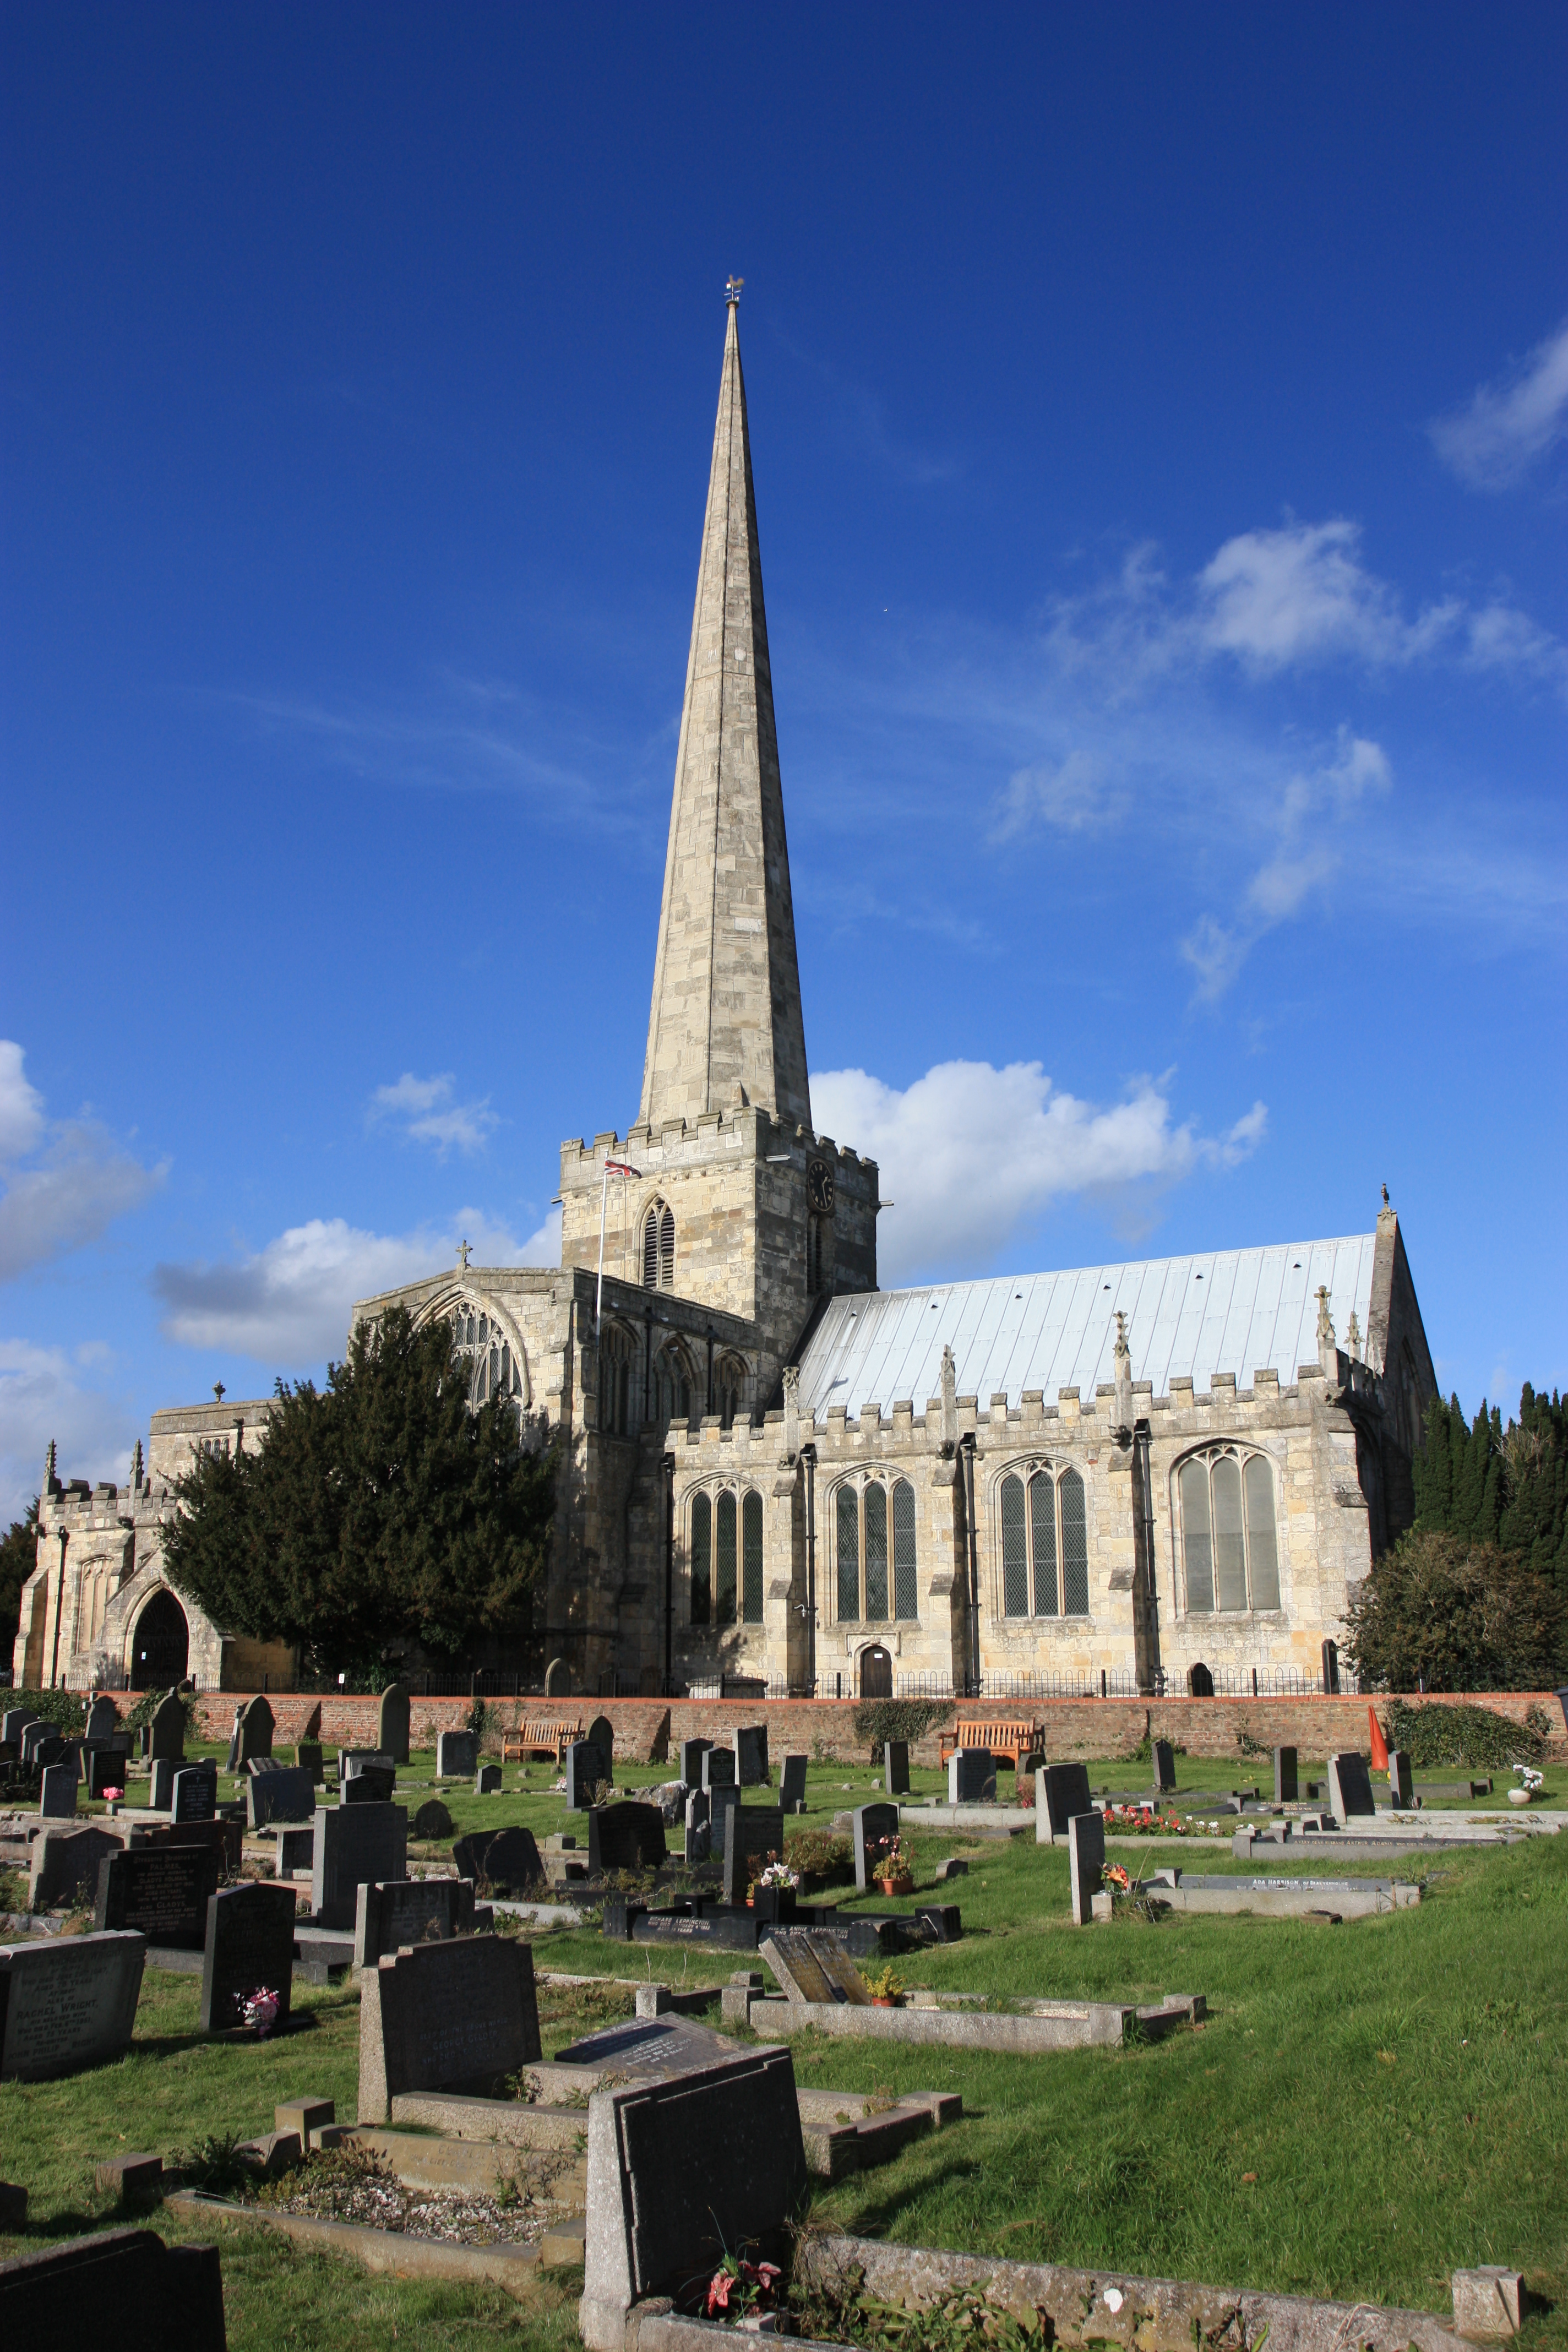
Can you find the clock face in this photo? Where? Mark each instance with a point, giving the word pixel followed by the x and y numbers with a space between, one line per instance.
pixel 819 1183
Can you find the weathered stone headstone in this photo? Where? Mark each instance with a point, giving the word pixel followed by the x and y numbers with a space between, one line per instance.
pixel 971 1777
pixel 193 1795
pixel 557 1679
pixel 719 1769
pixel 896 1767
pixel 487 1780
pixel 166 1730
pixel 102 1719
pixel 67 2002
pixel 306 1758
pixel 64 1865
pixel 584 1769
pixel 57 1793
pixel 749 1830
pixel 602 1736
pixel 750 1744
pixel 1349 1787
pixel 280 1796
pixel 680 2171
pixel 456 1754
pixel 248 1948
pixel 1086 1856
pixel 161 1891
pixel 354 1759
pixel 355 1843
pixel 1285 1780
pixel 792 1784
pixel 692 1751
pixel 1401 1780
pixel 627 1836
pixel 433 1820
pixel 410 1911
pixel 161 1783
pixel 392 1723
pixel 1060 1792
pixel 255 1731
pixel 372 1784
pixel 699 1833
pixel 868 1826
pixel 506 1860
pixel 120 2286
pixel 813 1964
pixel 1165 1766
pixel 444 2017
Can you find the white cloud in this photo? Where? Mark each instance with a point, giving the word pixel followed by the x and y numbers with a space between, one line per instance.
pixel 65 1180
pixel 1075 794
pixel 287 1305
pixel 41 1397
pixel 1302 594
pixel 969 1152
pixel 1507 425
pixel 427 1113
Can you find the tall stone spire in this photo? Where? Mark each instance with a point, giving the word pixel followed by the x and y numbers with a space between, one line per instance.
pixel 725 1026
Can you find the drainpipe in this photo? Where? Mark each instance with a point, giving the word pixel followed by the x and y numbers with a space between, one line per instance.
pixel 60 1613
pixel 809 1455
pixel 968 1452
pixel 710 1368
pixel 666 1464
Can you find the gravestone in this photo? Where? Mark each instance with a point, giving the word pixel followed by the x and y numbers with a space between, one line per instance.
pixel 868 1826
pixel 692 1751
pixel 584 1769
pixel 1400 1778
pixel 124 2287
pixel 557 1679
pixel 1286 1783
pixel 1060 1792
pixel 811 1964
pixel 507 1860
pixel 248 1948
pixel 896 1767
pixel 161 1783
pixel 282 1796
pixel 749 1830
pixel 57 1793
pixel 102 1719
pixel 307 1756
pixel 392 1723
pixel 456 1754
pixel 444 2017
pixel 433 1820
pixel 719 1800
pixel 971 1777
pixel 295 1849
pixel 626 1836
pixel 353 1843
pixel 166 1730
pixel 372 1784
pixel 1165 1766
pixel 161 1891
pixel 680 2172
pixel 602 1736
pixel 354 1760
pixel 1086 1856
pixel 254 1729
pixel 1349 1787
pixel 260 1764
pixel 750 1745
pixel 67 2002
pixel 194 1795
pixel 38 1736
pixel 64 1865
pixel 487 1780
pixel 106 1770
pixel 410 1911
pixel 719 1769
pixel 792 1784
pixel 13 1724
pixel 698 1832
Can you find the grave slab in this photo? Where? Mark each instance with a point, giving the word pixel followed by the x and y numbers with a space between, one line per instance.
pixel 443 2017
pixel 67 2003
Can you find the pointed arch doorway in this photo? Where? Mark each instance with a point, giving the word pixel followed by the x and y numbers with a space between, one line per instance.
pixel 876 1665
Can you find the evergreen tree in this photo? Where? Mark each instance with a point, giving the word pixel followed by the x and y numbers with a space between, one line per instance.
pixel 19 1559
pixel 1439 1613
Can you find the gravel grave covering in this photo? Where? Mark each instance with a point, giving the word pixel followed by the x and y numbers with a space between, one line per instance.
pixel 342 2185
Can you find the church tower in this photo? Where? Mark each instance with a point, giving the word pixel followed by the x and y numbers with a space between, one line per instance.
pixel 732 1200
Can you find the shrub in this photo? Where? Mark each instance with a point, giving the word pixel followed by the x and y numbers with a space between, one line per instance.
pixel 877 1720
pixel 1478 1737
pixel 1441 1612
pixel 817 1853
pixel 66 1710
pixel 150 1701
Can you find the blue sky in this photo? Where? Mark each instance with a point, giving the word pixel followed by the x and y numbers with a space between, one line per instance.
pixel 1158 419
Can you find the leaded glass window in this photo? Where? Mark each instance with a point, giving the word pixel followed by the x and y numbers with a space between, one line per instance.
pixel 874 1503
pixel 1075 1544
pixel 724 1549
pixel 752 1558
pixel 1229 1543
pixel 1014 1550
pixel 702 1560
pixel 1044 1528
pixel 1043 1532
pixel 906 1600
pixel 876 1580
pixel 847 1517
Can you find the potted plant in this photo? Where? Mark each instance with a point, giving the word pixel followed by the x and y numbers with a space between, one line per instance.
pixel 892 1867
pixel 1530 1783
pixel 886 1989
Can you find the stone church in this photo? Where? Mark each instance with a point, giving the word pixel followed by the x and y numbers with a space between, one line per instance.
pixel 775 1477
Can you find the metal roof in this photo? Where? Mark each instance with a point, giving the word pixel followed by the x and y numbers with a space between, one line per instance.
pixel 1237 1311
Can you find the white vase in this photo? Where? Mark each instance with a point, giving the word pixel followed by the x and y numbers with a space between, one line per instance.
pixel 1518 1796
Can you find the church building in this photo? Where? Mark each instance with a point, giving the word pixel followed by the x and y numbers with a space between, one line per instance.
pixel 775 1477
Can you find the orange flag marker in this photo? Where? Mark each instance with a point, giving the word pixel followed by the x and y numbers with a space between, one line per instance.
pixel 1379 1745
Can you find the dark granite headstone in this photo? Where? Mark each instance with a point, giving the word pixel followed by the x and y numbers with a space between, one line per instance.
pixel 751 1743
pixel 102 1719
pixel 392 1723
pixel 433 1820
pixel 749 1830
pixel 626 1836
pixel 971 1777
pixel 372 1784
pixel 353 1759
pixel 792 1784
pixel 699 1831
pixel 257 1765
pixel 1060 1792
pixel 410 1911
pixel 106 1770
pixel 456 1754
pixel 36 1736
pixel 719 1769
pixel 160 1890
pixel 1401 1780
pixel 1285 1780
pixel 692 1751
pixel 194 1796
pixel 166 1730
pixel 282 1796
pixel 943 1921
pixel 584 1769
pixel 121 2287
pixel 248 1948
pixel 602 1736
pixel 161 1783
pixel 507 1860
pixel 295 1850
pixel 255 1731
pixel 13 1724
pixel 353 1843
pixel 1086 1859
pixel 1165 1766
pixel 896 1767
pixel 65 2002
pixel 1349 1787
pixel 57 1793
pixel 307 1756
pixel 868 1826
pixel 63 1866
pixel 487 1780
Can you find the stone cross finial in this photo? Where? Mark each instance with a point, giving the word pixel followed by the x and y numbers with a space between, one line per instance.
pixel 1123 1374
pixel 464 1254
pixel 49 1467
pixel 949 1400
pixel 218 1391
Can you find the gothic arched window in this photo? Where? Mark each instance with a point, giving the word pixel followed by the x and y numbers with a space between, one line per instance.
pixel 1045 1527
pixel 729 1389
pixel 752 1558
pixel 865 1556
pixel 617 1351
pixel 724 1563
pixel 702 1560
pixel 658 1248
pixel 672 1384
pixel 493 1368
pixel 1230 1552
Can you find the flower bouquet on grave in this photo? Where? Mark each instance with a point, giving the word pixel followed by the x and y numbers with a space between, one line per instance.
pixel 886 1989
pixel 1114 1876
pixel 738 2288
pixel 892 1867
pixel 779 1874
pixel 258 2010
pixel 1530 1783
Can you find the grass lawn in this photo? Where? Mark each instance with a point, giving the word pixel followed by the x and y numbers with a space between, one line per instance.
pixel 1368 2107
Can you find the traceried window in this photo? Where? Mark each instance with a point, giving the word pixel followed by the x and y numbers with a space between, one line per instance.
pixel 729 1390
pixel 618 1352
pixel 1230 1551
pixel 702 1560
pixel 752 1560
pixel 672 1386
pixel 493 1370
pixel 725 1554
pixel 1045 1545
pixel 658 1248
pixel 875 1553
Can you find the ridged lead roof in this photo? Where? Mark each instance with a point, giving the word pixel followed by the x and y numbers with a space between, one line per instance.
pixel 1237 1311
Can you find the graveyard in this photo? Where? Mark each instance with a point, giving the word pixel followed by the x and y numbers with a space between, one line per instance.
pixel 1249 2066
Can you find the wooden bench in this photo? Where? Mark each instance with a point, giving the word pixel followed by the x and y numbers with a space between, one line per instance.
pixel 1012 1742
pixel 540 1739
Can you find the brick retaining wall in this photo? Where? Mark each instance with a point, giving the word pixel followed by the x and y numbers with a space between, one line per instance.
pixel 651 1731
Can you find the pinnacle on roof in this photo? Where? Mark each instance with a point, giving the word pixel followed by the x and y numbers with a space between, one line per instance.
pixel 725 1026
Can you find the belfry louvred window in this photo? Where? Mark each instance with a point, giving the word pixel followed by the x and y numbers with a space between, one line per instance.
pixel 658 1248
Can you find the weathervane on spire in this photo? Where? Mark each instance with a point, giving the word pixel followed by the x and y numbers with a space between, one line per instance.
pixel 732 291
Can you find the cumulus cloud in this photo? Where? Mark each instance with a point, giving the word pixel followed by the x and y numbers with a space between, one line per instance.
pixel 969 1152
pixel 42 1395
pixel 427 1113
pixel 65 1180
pixel 287 1305
pixel 1302 594
pixel 1075 794
pixel 1493 442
